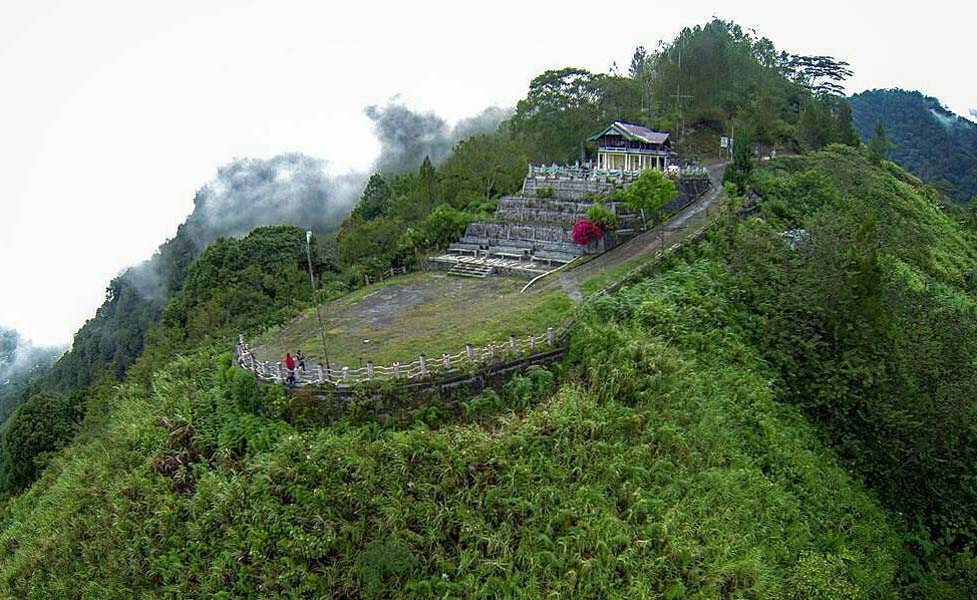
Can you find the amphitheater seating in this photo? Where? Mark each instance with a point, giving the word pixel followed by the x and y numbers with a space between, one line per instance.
pixel 464 248
pixel 551 257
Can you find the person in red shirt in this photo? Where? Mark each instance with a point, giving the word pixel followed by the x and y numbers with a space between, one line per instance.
pixel 290 365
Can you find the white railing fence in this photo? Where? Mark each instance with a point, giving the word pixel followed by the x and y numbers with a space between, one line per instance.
pixel 423 367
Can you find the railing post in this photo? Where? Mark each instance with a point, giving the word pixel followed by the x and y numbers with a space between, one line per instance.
pixel 396 369
pixel 446 360
pixel 391 271
pixel 532 343
pixel 280 378
pixel 469 352
pixel 369 369
pixel 550 336
pixel 345 374
pixel 367 279
pixel 512 341
pixel 423 360
pixel 322 376
pixel 492 349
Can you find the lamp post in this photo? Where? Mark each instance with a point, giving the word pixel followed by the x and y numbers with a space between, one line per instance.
pixel 322 335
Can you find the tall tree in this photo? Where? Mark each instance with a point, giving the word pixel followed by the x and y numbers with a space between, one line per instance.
pixel 373 201
pixel 878 146
pixel 823 75
pixel 740 172
pixel 844 131
pixel 428 185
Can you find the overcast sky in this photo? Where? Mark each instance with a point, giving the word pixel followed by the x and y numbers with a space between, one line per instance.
pixel 112 114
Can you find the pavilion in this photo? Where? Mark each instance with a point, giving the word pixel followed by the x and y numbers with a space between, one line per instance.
pixel 629 147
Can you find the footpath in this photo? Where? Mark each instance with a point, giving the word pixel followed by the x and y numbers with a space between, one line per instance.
pixel 648 242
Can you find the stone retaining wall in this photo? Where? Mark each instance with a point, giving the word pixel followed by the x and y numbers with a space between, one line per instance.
pixel 566 213
pixel 530 232
pixel 566 187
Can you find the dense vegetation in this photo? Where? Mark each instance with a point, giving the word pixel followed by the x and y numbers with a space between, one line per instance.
pixel 737 80
pixel 872 323
pixel 609 487
pixel 673 460
pixel 236 284
pixel 785 409
pixel 21 363
pixel 927 139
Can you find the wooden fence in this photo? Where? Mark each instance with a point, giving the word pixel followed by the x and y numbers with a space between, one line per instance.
pixel 382 275
pixel 317 375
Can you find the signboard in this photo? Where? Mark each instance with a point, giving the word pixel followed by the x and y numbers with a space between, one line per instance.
pixel 724 142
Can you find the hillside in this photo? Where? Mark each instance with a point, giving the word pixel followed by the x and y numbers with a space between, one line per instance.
pixel 928 140
pixel 782 406
pixel 698 441
pixel 21 364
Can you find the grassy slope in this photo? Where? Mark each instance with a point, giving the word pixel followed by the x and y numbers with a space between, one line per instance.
pixel 663 467
pixel 421 312
pixel 666 470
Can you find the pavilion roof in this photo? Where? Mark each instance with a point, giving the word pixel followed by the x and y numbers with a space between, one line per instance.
pixel 632 132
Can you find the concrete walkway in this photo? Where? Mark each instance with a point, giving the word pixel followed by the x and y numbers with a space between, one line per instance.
pixel 648 242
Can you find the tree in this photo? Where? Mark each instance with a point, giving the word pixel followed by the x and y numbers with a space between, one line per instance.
pixel 740 172
pixel 650 194
pixel 561 109
pixel 823 75
pixel 428 185
pixel 483 167
pixel 373 201
pixel 844 131
pixel 814 129
pixel 43 424
pixel 878 146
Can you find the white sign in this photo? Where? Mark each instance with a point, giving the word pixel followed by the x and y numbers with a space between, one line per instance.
pixel 724 142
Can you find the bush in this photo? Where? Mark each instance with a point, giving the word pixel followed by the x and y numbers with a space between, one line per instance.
pixel 600 215
pixel 585 232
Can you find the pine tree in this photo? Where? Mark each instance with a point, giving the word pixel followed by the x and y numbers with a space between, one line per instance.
pixel 878 146
pixel 374 200
pixel 428 184
pixel 844 130
pixel 740 172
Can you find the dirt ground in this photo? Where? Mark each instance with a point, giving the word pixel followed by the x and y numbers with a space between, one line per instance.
pixel 431 313
pixel 422 312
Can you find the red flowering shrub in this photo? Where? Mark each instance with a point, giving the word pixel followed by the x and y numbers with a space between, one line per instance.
pixel 585 232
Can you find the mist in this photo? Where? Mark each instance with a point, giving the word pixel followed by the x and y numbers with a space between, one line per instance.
pixel 19 357
pixel 289 188
pixel 406 136
pixel 297 189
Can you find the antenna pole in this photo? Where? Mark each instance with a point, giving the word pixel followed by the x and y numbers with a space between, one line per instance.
pixel 322 335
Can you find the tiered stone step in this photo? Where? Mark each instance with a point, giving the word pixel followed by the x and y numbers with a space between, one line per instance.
pixel 473 270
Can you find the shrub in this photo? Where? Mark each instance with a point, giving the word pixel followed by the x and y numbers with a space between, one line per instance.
pixel 585 232
pixel 600 215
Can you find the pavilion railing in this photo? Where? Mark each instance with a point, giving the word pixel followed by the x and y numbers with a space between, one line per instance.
pixel 421 368
pixel 625 176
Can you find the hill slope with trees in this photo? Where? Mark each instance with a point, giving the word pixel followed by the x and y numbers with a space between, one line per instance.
pixel 783 409
pixel 698 441
pixel 928 140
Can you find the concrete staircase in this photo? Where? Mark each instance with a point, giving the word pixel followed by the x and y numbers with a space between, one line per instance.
pixel 475 271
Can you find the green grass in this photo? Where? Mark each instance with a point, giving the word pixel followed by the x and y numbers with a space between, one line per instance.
pixel 616 273
pixel 402 317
